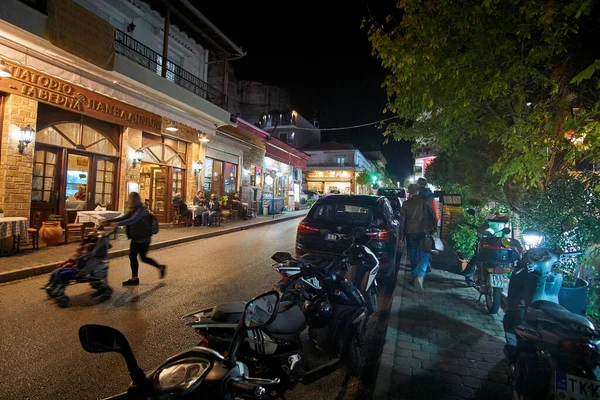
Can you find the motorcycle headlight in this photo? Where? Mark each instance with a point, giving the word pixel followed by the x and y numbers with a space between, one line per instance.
pixel 180 377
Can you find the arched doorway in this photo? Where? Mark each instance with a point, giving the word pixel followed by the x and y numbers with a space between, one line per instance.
pixel 74 169
pixel 162 175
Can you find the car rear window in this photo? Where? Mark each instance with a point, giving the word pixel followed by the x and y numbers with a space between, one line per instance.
pixel 391 192
pixel 395 203
pixel 343 213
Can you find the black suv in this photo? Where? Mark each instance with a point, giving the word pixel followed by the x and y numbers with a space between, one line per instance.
pixel 333 220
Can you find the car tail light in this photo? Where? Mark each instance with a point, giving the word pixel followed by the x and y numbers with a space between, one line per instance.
pixel 581 350
pixel 308 230
pixel 381 235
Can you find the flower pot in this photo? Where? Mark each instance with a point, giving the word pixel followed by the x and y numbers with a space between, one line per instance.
pixel 1 215
pixel 51 232
pixel 575 298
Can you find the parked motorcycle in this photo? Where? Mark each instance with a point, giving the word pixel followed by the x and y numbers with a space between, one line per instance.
pixel 552 353
pixel 491 265
pixel 358 264
pixel 198 372
pixel 336 317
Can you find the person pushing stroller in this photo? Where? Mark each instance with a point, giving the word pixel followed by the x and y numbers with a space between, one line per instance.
pixel 87 265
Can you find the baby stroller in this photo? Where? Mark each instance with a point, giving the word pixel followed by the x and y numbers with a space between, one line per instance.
pixel 95 271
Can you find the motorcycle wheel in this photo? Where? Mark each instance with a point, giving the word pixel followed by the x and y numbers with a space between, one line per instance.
pixel 352 354
pixel 372 305
pixel 492 300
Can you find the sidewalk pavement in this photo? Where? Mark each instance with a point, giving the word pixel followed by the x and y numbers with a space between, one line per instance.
pixel 442 344
pixel 36 262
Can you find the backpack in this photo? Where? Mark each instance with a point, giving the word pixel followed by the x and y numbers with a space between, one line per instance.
pixel 154 224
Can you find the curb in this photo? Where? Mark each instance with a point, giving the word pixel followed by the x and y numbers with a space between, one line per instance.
pixel 386 362
pixel 19 274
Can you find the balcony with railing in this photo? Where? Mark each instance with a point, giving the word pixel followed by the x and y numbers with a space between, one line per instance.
pixel 151 60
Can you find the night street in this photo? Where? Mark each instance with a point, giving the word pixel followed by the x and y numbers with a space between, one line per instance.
pixel 42 357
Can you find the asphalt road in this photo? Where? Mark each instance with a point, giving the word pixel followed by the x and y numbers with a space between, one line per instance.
pixel 41 357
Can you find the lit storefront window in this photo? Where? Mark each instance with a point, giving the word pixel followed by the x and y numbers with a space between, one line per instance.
pixel 220 177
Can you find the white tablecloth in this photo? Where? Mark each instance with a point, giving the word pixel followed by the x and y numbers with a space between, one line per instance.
pixel 196 211
pixel 95 216
pixel 13 226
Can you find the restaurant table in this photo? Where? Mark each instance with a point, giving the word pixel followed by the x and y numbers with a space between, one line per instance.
pixel 96 217
pixel 196 211
pixel 15 227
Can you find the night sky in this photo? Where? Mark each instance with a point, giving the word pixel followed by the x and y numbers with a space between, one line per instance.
pixel 317 50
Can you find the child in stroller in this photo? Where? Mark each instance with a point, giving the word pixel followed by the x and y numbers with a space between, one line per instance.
pixel 88 265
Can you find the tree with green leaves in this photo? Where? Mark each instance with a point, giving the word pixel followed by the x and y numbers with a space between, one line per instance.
pixel 498 73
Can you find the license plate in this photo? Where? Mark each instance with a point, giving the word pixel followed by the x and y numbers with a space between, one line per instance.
pixel 331 236
pixel 498 280
pixel 571 387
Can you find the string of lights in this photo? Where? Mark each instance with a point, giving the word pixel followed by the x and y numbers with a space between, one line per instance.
pixel 347 127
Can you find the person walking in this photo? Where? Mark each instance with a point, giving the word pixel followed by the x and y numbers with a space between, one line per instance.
pixel 419 219
pixel 139 230
pixel 213 209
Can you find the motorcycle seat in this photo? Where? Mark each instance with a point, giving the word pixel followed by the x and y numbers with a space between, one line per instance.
pixel 289 319
pixel 557 313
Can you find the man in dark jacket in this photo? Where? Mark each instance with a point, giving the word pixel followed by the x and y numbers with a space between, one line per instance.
pixel 183 210
pixel 419 220
pixel 213 209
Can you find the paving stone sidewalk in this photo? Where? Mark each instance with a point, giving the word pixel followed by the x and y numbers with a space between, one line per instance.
pixel 442 344
pixel 34 262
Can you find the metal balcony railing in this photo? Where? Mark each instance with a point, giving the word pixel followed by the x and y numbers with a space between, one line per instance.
pixel 150 59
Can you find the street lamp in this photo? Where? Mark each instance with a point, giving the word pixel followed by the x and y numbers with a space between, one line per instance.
pixel 204 138
pixel 27 136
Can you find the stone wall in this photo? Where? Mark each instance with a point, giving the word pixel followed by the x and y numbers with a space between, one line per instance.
pixel 256 156
pixel 16 169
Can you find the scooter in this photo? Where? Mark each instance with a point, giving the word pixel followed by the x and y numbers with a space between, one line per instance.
pixel 336 318
pixel 552 353
pixel 358 264
pixel 492 264
pixel 198 372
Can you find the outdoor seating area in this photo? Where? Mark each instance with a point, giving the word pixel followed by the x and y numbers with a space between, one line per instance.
pixel 198 212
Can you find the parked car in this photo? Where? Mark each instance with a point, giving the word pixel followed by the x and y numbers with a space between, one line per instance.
pixel 334 220
pixel 393 191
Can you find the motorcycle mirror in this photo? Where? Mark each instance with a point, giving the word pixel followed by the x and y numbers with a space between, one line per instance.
pixel 506 231
pixel 362 240
pixel 569 224
pixel 104 339
pixel 470 211
pixel 281 257
pixel 261 310
pixel 505 242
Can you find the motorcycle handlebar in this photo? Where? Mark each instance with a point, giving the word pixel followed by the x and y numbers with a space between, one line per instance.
pixel 247 388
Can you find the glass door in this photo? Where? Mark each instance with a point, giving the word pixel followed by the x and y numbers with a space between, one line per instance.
pixel 158 192
pixel 45 182
pixel 105 177
pixel 76 187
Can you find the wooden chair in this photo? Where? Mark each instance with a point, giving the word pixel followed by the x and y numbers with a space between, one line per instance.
pixel 74 229
pixel 216 220
pixel 34 231
pixel 178 219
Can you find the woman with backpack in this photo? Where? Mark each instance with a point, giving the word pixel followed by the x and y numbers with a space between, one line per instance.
pixel 139 222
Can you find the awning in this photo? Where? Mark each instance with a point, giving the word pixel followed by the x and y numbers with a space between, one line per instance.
pixel 283 152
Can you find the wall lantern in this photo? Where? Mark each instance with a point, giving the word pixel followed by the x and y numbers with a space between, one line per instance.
pixel 197 168
pixel 137 157
pixel 4 71
pixel 27 136
pixel 204 138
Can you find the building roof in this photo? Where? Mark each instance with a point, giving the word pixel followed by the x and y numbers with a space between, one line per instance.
pixel 331 146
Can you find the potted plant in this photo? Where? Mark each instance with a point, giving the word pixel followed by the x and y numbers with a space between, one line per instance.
pixel 51 230
pixel 223 202
pixel 1 213
pixel 462 239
